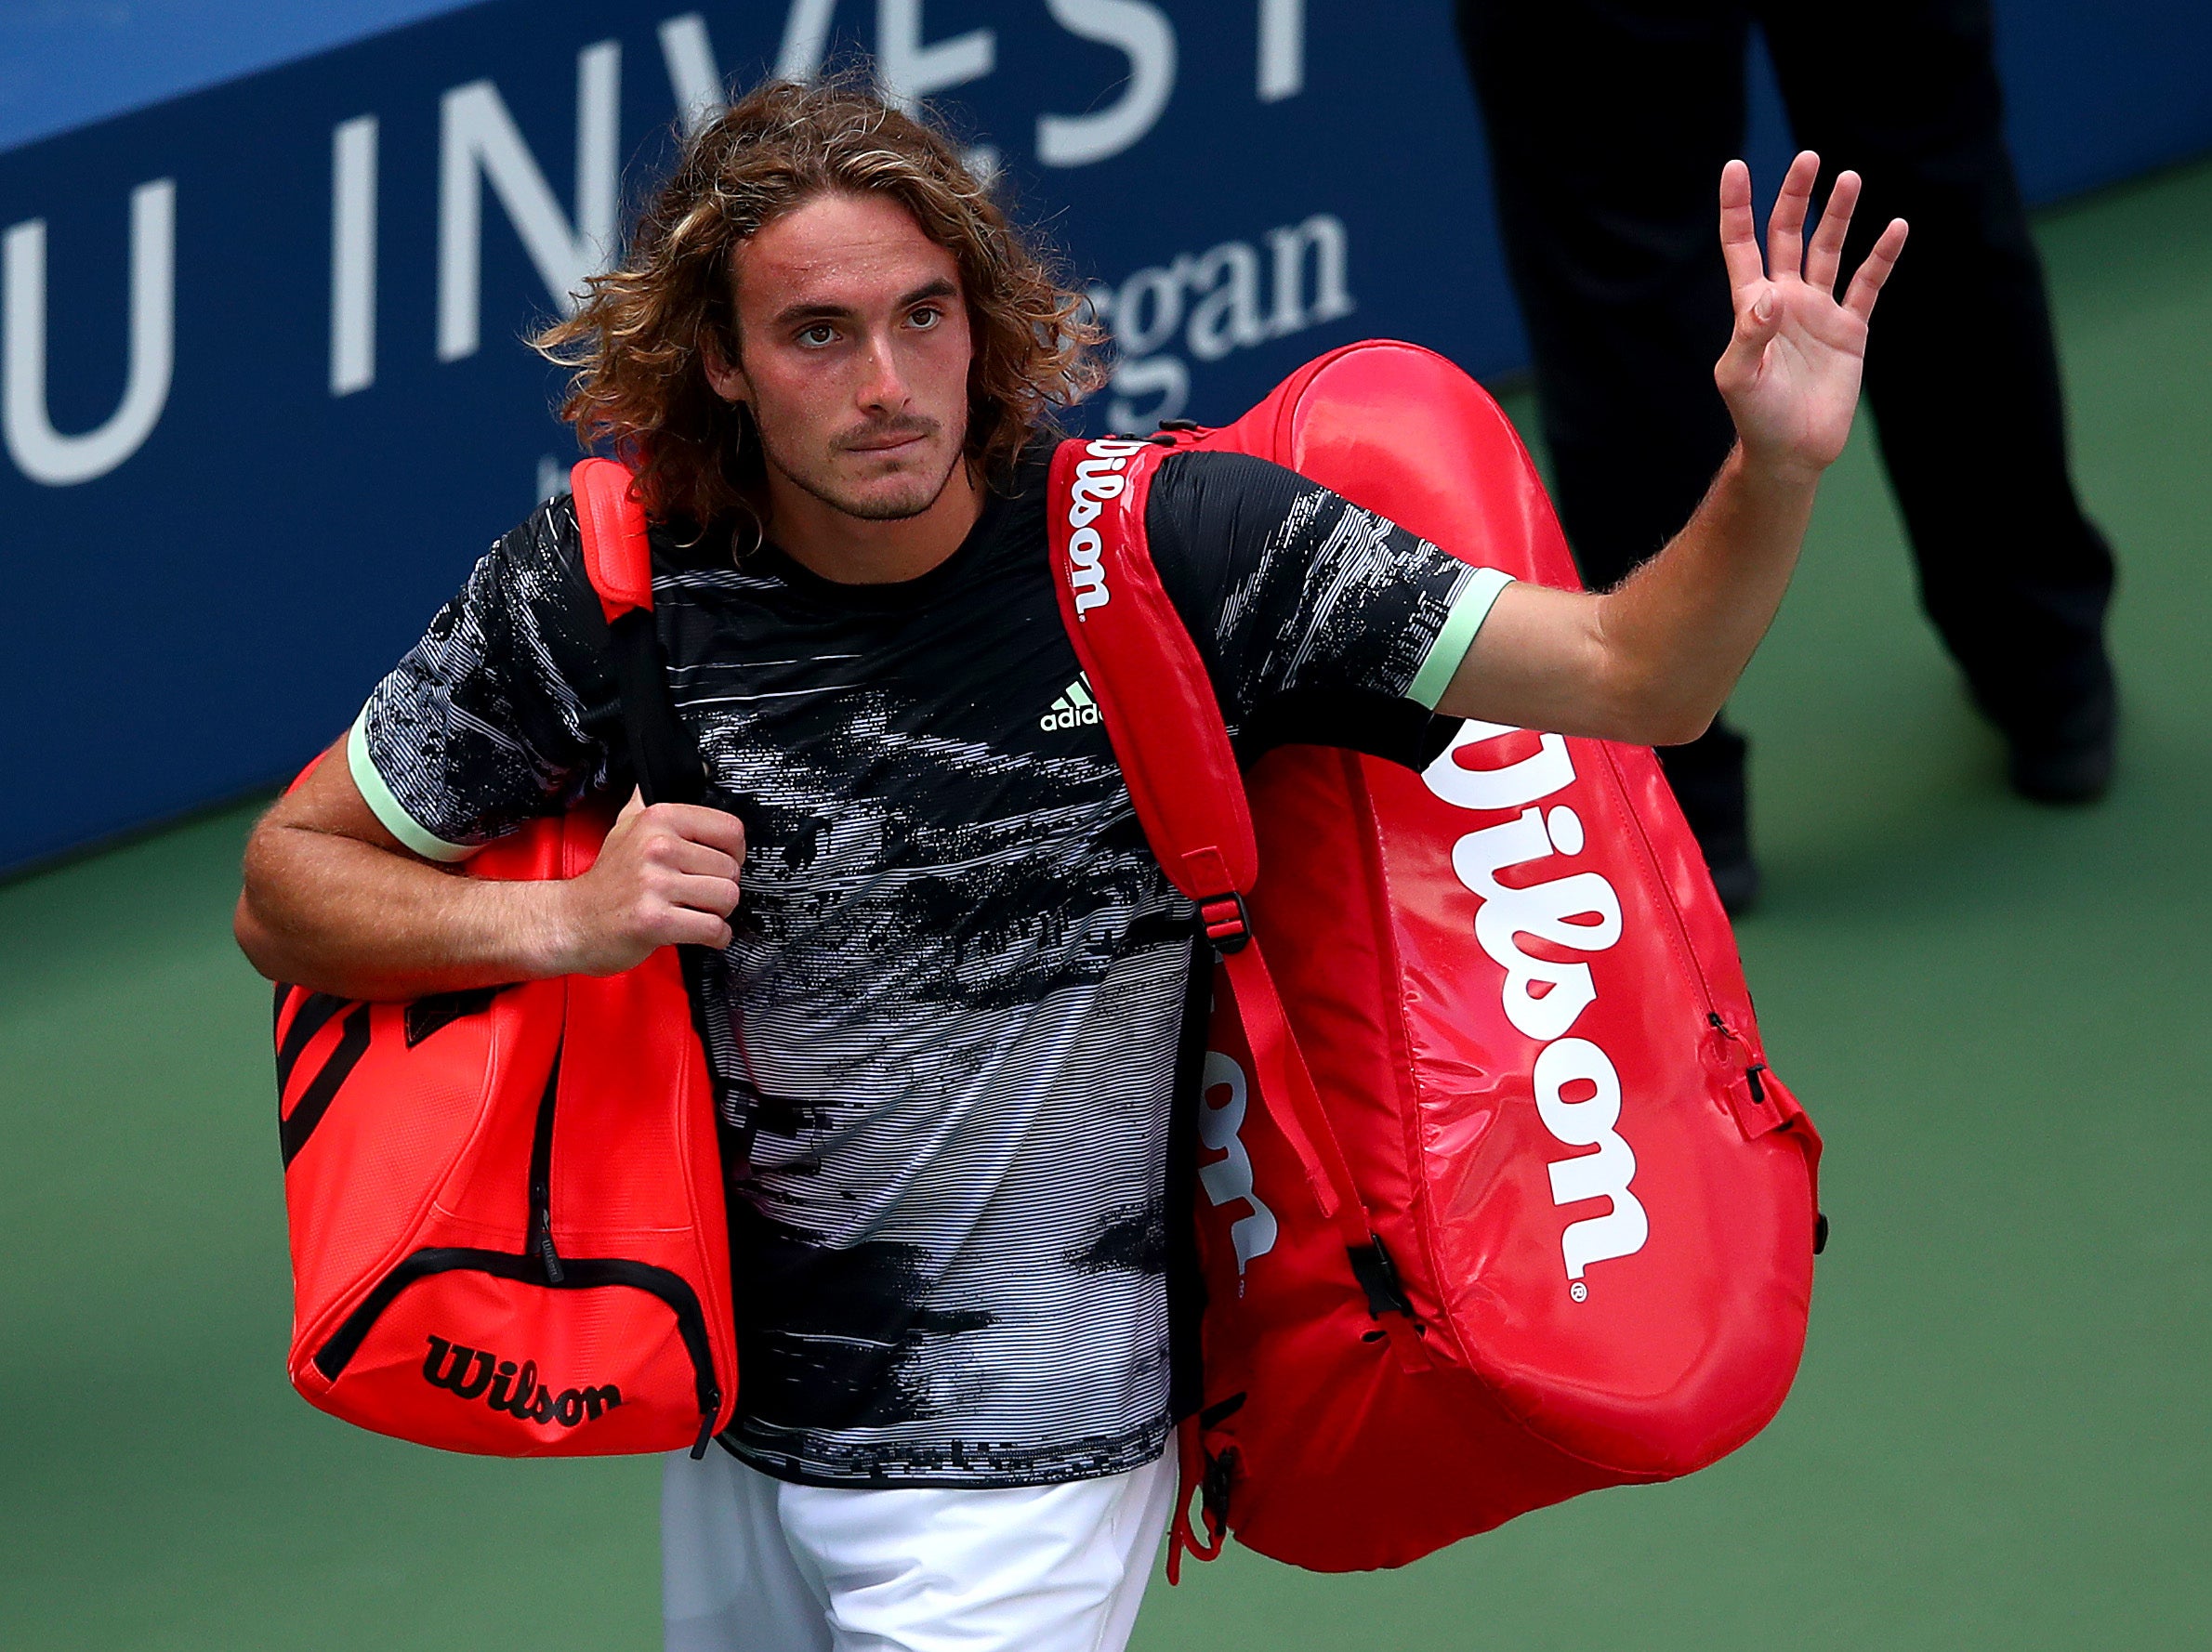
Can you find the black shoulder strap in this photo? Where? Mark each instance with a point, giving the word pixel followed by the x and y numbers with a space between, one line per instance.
pixel 618 560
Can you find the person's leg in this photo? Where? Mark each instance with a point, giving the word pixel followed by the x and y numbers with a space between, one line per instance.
pixel 1140 1516
pixel 1961 373
pixel 729 1579
pixel 1047 1568
pixel 1609 122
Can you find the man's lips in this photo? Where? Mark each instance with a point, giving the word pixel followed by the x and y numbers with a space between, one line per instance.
pixel 879 446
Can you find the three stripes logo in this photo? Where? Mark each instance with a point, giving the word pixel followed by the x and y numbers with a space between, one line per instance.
pixel 316 1011
pixel 311 1013
pixel 1074 709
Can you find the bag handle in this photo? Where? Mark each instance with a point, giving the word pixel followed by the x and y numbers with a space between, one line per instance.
pixel 1146 676
pixel 1158 705
pixel 618 562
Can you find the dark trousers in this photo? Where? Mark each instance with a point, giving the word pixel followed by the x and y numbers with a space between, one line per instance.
pixel 1609 122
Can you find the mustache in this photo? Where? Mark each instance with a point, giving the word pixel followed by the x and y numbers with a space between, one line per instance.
pixel 883 434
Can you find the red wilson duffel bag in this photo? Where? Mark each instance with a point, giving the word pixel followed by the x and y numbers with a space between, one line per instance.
pixel 1499 1202
pixel 506 1205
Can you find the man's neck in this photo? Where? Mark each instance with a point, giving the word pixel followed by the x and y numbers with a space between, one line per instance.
pixel 854 551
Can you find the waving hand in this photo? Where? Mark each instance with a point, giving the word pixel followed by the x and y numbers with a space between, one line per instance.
pixel 1790 375
pixel 1651 659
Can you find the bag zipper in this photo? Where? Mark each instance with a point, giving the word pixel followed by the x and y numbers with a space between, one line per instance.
pixel 579 1273
pixel 690 1320
pixel 1697 965
pixel 1754 1064
pixel 541 1263
pixel 539 1227
pixel 548 1255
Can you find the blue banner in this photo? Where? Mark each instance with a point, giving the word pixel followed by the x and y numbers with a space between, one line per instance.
pixel 261 379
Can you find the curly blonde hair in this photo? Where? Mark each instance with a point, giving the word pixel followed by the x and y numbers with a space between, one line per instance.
pixel 635 342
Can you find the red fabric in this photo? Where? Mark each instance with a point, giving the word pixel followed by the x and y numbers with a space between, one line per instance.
pixel 425 1118
pixel 1185 795
pixel 613 521
pixel 1500 1024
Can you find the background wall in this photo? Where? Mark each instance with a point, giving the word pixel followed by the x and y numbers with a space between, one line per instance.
pixel 261 382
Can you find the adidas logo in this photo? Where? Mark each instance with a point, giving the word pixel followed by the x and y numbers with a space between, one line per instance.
pixel 1075 709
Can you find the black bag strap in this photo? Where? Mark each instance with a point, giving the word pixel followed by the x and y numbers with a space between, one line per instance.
pixel 618 562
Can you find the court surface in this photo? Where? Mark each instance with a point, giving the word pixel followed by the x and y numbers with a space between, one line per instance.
pixel 1997 1012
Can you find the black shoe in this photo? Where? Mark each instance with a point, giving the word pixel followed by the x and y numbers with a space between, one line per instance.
pixel 2072 766
pixel 2068 758
pixel 1737 882
pixel 1708 778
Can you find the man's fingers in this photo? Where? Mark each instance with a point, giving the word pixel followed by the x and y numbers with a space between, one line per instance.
pixel 1739 236
pixel 1759 317
pixel 1866 286
pixel 697 860
pixel 718 896
pixel 1785 226
pixel 633 808
pixel 716 828
pixel 1824 257
pixel 685 927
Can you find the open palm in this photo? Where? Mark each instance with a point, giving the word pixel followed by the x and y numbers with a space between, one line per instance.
pixel 1790 374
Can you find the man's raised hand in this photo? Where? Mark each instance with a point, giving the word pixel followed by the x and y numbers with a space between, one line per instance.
pixel 666 876
pixel 1790 374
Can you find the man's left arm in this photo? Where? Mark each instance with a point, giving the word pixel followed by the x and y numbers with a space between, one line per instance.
pixel 1650 661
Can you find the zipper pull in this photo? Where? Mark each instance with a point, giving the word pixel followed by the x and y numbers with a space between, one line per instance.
pixel 1753 1066
pixel 1723 1051
pixel 1742 1062
pixel 539 1230
pixel 548 1258
pixel 706 1425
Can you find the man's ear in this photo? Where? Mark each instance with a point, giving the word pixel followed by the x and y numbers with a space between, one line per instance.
pixel 724 375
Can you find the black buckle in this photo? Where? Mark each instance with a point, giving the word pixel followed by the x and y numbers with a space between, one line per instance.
pixel 1228 922
pixel 1377 1275
pixel 1214 1487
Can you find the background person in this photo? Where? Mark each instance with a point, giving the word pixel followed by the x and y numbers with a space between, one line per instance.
pixel 946 1018
pixel 1607 119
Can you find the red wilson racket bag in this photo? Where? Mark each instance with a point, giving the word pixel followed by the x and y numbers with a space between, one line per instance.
pixel 506 1205
pixel 1498 1201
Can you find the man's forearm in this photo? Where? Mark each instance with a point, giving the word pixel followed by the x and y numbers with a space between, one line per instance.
pixel 332 901
pixel 339 915
pixel 1678 633
pixel 1652 661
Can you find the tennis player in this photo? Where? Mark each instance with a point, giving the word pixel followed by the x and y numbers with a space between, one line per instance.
pixel 954 982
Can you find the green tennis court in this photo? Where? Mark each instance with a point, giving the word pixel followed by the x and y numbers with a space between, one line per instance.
pixel 2002 1434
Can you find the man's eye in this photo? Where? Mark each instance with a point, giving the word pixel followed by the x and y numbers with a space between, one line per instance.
pixel 927 317
pixel 820 333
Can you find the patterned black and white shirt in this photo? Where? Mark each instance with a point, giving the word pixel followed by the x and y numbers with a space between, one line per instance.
pixel 958 977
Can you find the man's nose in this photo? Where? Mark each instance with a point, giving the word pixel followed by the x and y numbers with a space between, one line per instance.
pixel 882 385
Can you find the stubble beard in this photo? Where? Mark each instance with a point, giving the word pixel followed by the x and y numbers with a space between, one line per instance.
pixel 900 506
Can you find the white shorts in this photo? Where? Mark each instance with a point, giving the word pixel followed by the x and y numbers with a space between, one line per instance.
pixel 750 1563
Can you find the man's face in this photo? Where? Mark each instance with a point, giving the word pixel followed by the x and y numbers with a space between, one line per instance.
pixel 854 354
